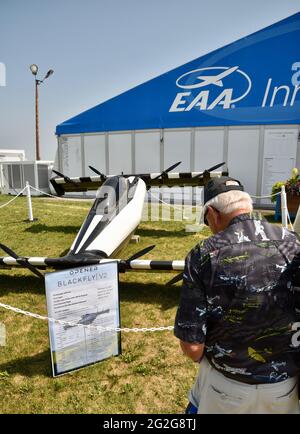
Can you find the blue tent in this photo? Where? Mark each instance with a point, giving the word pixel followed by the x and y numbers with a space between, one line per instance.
pixel 255 80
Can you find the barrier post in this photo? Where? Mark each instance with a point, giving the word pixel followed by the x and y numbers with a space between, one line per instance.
pixel 284 209
pixel 29 203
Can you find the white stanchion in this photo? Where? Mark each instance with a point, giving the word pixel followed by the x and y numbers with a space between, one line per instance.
pixel 29 203
pixel 284 208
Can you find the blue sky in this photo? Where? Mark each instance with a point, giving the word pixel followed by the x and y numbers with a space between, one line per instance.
pixel 101 48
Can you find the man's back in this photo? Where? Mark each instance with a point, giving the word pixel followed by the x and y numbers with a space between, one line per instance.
pixel 239 296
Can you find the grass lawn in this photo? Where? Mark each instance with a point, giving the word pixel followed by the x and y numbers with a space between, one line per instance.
pixel 151 376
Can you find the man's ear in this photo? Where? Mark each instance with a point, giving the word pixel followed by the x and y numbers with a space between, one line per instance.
pixel 213 213
pixel 216 219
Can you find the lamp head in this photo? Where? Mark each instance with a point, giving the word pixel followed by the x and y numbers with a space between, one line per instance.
pixel 50 72
pixel 34 69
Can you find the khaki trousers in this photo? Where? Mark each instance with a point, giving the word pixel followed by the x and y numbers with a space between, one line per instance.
pixel 213 393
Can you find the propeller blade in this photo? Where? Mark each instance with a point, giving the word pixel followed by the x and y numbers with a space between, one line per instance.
pixel 8 251
pixel 210 170
pixel 21 261
pixel 140 253
pixel 97 172
pixel 175 279
pixel 58 173
pixel 164 172
pixel 172 167
pixel 66 178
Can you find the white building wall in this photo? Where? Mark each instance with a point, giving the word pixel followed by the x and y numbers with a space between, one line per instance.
pixel 147 151
pixel 242 148
pixel 243 154
pixel 279 155
pixel 209 146
pixel 177 147
pixel 120 153
pixel 94 154
pixel 71 156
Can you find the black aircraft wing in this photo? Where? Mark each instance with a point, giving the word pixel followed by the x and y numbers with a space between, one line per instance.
pixel 35 264
pixel 62 263
pixel 63 184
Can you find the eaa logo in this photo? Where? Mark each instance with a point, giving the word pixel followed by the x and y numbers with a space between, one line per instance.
pixel 210 80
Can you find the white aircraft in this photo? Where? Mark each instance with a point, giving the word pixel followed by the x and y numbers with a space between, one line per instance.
pixel 212 79
pixel 111 221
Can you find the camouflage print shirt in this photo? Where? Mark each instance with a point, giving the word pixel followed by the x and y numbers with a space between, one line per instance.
pixel 241 296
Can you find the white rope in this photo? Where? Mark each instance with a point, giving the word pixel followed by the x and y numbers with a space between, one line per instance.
pixel 265 197
pixel 98 328
pixel 51 195
pixel 14 198
pixel 255 197
pixel 169 204
pixel 151 194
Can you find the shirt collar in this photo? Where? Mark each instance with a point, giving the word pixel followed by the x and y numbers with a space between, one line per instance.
pixel 246 216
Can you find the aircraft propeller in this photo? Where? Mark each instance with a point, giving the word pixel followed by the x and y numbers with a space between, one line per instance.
pixel 66 178
pixel 175 279
pixel 21 261
pixel 207 171
pixel 140 253
pixel 123 264
pixel 103 177
pixel 164 173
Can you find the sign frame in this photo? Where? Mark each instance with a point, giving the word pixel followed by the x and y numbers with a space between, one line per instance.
pixel 65 288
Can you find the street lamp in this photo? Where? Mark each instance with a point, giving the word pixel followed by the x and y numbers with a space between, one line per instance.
pixel 34 69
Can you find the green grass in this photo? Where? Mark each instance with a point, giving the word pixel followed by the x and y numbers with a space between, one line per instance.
pixel 151 375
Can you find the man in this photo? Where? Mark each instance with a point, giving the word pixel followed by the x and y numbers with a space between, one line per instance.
pixel 239 312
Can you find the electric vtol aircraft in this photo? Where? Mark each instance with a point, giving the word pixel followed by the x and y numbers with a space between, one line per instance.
pixel 111 221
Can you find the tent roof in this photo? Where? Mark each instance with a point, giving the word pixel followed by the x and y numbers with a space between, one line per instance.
pixel 251 81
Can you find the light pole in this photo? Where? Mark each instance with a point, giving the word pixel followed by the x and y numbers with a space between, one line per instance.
pixel 34 69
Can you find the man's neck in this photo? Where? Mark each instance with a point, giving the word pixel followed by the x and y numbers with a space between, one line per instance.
pixel 226 218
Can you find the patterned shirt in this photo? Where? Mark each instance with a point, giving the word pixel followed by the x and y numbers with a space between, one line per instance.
pixel 241 296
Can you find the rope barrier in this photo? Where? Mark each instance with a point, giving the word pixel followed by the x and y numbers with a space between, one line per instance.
pixel 14 198
pixel 151 194
pixel 52 195
pixel 97 328
pixel 265 197
pixel 170 204
pixel 255 197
